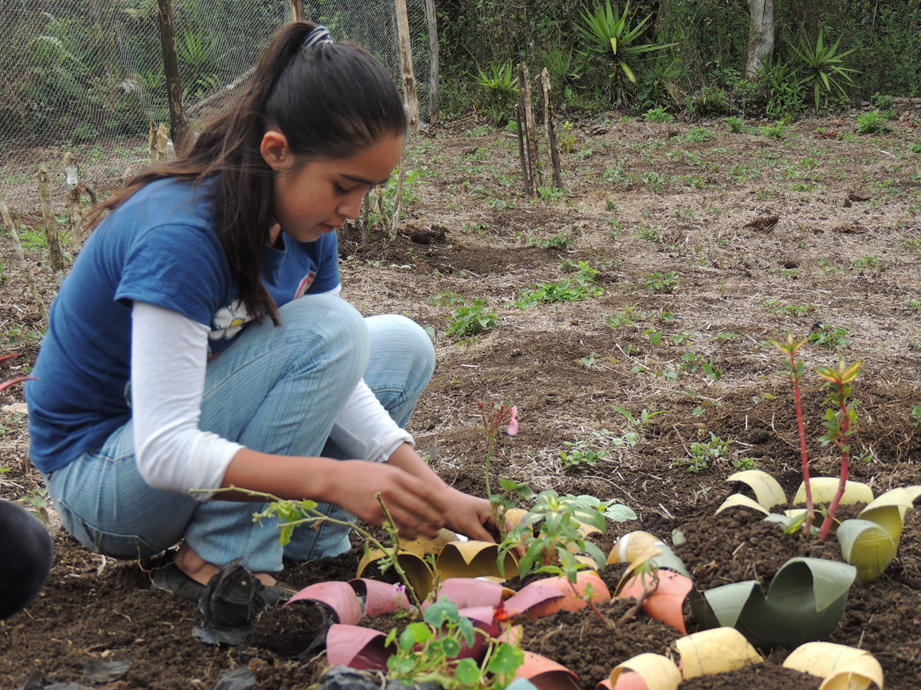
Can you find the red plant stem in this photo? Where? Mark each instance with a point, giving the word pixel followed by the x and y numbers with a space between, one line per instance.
pixel 845 461
pixel 810 510
pixel 591 604
pixel 635 609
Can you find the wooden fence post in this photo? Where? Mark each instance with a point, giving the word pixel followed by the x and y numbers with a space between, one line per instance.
pixel 524 87
pixel 51 226
pixel 432 24
pixel 74 212
pixel 178 120
pixel 525 175
pixel 546 98
pixel 409 79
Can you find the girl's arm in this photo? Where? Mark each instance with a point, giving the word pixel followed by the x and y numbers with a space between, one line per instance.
pixel 465 514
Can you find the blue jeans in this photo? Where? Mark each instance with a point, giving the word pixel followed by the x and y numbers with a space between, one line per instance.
pixel 276 390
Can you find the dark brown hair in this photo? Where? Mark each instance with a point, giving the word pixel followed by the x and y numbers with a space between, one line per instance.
pixel 330 101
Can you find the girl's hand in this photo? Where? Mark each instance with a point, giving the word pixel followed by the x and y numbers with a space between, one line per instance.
pixel 469 515
pixel 416 506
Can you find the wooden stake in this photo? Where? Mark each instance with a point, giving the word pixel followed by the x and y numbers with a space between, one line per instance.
pixel 162 140
pixel 524 163
pixel 409 79
pixel 547 99
pixel 23 264
pixel 153 154
pixel 90 188
pixel 365 212
pixel 380 207
pixel 432 24
pixel 74 212
pixel 524 87
pixel 51 226
pixel 398 201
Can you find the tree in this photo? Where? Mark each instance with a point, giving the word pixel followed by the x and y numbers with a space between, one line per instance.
pixel 178 120
pixel 760 36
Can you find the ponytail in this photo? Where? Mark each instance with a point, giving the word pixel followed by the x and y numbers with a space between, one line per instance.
pixel 330 100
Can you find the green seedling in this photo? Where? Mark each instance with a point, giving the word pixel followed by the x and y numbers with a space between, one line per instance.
pixel 446 299
pixel 581 453
pixel 840 422
pixel 645 417
pixel 426 652
pixel 468 320
pixel 649 234
pixel 736 124
pixel 625 317
pixel 744 464
pixel 36 502
pixel 560 242
pixel 831 337
pixel 566 140
pixel 916 416
pixel 575 289
pixel 872 123
pixel 702 453
pixel 661 282
pixel 655 337
pixel 553 531
pixel 698 135
pixel 794 371
pixel 590 451
pixel 658 114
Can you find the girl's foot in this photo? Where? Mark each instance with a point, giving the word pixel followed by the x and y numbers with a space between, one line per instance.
pixel 200 570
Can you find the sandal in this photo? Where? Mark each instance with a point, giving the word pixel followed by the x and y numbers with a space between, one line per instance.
pixel 169 576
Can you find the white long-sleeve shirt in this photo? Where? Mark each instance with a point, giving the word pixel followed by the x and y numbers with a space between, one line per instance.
pixel 172 453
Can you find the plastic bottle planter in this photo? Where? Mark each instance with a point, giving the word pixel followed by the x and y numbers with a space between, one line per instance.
pixel 486 603
pixel 725 649
pixel 453 558
pixel 804 602
pixel 868 542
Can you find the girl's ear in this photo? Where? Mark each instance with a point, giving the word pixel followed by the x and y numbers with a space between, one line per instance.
pixel 275 151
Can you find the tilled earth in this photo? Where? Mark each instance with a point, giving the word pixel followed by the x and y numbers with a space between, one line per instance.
pixel 707 244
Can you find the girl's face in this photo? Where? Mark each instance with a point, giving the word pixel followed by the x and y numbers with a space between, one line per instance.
pixel 320 196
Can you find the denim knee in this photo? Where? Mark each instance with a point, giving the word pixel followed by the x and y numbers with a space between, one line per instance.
pixel 341 326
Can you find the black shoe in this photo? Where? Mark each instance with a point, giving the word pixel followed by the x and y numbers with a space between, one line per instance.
pixel 169 577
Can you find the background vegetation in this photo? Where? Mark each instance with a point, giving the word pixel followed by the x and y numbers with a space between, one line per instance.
pixel 701 70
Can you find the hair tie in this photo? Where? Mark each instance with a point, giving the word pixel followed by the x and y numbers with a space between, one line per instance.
pixel 320 34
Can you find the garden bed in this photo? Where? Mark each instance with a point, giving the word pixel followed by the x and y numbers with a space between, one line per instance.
pixel 737 239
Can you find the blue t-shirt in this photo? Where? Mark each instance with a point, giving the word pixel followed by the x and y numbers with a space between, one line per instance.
pixel 158 247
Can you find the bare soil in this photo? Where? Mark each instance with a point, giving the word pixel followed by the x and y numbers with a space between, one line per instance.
pixel 707 244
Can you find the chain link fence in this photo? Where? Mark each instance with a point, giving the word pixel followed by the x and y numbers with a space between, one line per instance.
pixel 86 76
